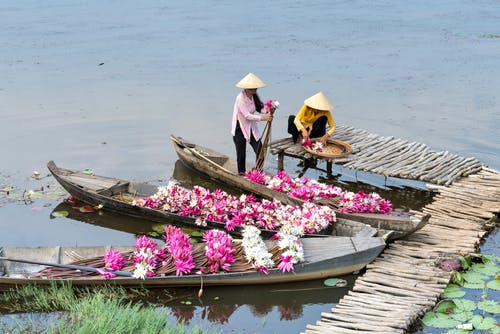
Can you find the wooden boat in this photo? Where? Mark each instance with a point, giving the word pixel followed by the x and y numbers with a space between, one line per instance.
pixel 114 195
pixel 222 168
pixel 323 257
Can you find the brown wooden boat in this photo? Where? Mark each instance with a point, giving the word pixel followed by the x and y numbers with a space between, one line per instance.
pixel 223 169
pixel 115 195
pixel 323 257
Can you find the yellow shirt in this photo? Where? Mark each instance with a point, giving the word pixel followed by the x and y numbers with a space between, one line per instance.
pixel 307 116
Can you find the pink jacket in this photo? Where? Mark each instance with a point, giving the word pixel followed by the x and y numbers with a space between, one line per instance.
pixel 244 110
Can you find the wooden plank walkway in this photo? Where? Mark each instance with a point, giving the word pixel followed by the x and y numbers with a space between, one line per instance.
pixel 388 156
pixel 401 285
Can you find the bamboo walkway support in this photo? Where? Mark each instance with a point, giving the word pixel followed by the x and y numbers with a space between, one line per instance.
pixel 402 284
pixel 387 156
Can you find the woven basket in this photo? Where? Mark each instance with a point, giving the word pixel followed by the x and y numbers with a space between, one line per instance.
pixel 334 148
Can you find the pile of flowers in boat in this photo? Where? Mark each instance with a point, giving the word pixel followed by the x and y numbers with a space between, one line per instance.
pixel 218 252
pixel 219 206
pixel 311 190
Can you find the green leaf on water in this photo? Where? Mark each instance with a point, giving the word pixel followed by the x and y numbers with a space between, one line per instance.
pixel 474 286
pixel 337 282
pixel 159 228
pixel 464 309
pixel 453 291
pixel 494 284
pixel 445 306
pixel 489 269
pixel 474 277
pixel 490 306
pixel 481 323
pixel 57 214
pixel 439 320
pixel 195 234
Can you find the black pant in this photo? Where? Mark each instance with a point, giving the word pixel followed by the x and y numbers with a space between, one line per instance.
pixel 318 128
pixel 241 148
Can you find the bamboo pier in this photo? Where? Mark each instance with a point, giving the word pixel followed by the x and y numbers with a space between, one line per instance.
pixel 387 156
pixel 402 284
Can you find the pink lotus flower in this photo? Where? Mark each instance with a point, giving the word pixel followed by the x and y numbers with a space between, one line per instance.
pixel 286 263
pixel 114 260
pixel 219 250
pixel 179 246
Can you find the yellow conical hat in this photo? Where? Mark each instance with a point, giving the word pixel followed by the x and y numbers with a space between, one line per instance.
pixel 318 101
pixel 250 81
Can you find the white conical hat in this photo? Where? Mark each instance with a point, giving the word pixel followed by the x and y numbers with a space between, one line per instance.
pixel 319 101
pixel 250 81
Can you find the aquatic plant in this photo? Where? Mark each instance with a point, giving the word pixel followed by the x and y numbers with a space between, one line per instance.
pixel 461 315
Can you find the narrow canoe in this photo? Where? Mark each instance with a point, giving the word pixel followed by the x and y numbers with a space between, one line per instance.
pixel 223 169
pixel 323 258
pixel 110 193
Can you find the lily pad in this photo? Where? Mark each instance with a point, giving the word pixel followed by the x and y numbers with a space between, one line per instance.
pixel 494 284
pixel 57 214
pixel 195 234
pixel 489 306
pixel 453 291
pixel 445 306
pixel 336 282
pixel 158 228
pixel 439 320
pixel 481 323
pixel 464 310
pixel 474 286
pixel 489 269
pixel 474 277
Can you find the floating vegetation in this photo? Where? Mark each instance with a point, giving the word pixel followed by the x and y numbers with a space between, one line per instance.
pixel 31 191
pixel 490 36
pixel 460 314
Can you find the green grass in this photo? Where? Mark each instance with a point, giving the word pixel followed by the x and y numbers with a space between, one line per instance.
pixel 103 310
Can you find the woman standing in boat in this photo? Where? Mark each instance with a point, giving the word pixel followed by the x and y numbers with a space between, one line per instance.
pixel 244 126
pixel 311 120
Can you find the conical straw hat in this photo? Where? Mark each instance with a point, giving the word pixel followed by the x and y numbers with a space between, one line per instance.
pixel 319 101
pixel 250 81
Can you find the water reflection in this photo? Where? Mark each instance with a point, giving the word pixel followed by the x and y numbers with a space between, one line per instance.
pixel 218 304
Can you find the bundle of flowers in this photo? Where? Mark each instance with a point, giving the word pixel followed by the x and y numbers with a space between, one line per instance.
pixel 255 249
pixel 147 257
pixel 219 250
pixel 291 248
pixel 113 260
pixel 219 206
pixel 180 247
pixel 310 190
pixel 271 106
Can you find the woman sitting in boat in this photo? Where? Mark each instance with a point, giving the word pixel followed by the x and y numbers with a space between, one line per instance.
pixel 244 126
pixel 311 120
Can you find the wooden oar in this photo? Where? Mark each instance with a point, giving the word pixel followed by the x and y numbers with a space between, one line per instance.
pixel 68 266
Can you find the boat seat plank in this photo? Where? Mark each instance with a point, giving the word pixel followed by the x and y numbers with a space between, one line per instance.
pixel 95 184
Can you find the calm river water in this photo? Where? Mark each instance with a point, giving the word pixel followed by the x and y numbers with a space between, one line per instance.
pixel 102 84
